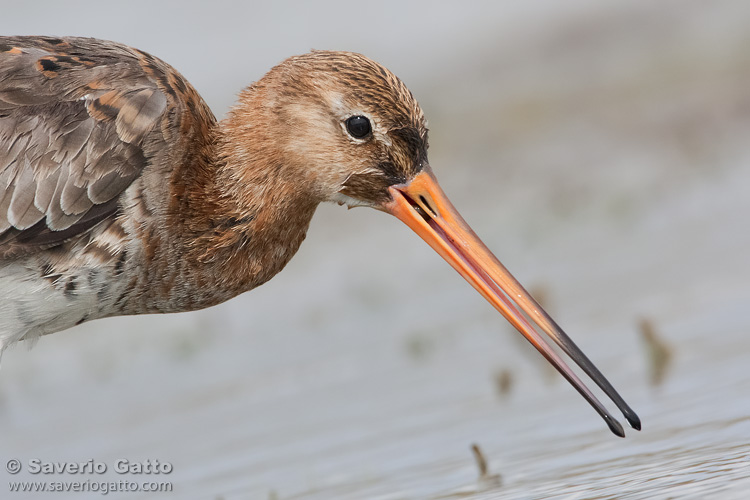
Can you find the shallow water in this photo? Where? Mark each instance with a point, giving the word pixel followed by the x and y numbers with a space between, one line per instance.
pixel 618 190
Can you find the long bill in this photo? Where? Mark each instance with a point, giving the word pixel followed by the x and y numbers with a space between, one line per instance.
pixel 422 205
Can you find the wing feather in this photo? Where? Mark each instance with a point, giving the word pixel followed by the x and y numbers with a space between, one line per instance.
pixel 22 213
pixel 77 119
pixel 45 187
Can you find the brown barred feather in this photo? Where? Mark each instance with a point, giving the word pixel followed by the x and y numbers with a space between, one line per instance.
pixel 78 120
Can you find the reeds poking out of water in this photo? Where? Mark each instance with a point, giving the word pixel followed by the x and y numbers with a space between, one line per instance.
pixel 504 382
pixel 486 479
pixel 658 352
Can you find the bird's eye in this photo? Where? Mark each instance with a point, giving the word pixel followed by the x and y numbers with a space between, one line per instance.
pixel 358 127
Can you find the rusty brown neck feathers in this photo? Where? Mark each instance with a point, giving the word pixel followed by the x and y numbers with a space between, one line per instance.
pixel 241 209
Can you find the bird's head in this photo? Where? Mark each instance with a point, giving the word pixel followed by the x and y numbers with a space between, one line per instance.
pixel 340 122
pixel 347 130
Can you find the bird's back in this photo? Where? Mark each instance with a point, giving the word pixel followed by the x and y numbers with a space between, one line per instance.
pixel 91 133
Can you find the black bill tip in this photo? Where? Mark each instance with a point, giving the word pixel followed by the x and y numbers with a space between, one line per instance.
pixel 615 426
pixel 633 420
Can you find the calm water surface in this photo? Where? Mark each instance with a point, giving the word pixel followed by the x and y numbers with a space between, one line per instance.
pixel 341 400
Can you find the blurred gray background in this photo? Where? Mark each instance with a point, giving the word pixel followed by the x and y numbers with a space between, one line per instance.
pixel 601 151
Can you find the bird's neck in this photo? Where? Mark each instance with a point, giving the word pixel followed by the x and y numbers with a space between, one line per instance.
pixel 241 216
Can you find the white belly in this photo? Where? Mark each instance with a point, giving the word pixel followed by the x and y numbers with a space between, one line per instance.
pixel 32 305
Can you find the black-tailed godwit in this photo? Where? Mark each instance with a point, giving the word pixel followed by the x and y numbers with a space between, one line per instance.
pixel 120 192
